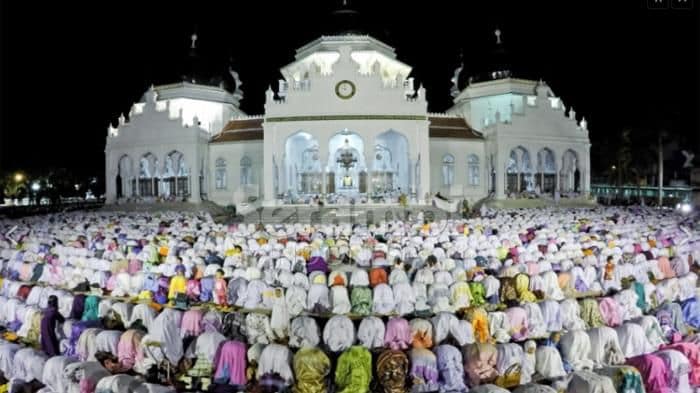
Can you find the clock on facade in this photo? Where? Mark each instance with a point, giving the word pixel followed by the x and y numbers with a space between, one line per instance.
pixel 345 89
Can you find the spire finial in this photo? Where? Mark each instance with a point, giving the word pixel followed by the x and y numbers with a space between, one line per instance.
pixel 194 40
pixel 498 35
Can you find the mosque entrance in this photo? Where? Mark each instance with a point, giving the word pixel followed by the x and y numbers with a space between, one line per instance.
pixel 346 161
pixel 349 173
pixel 346 168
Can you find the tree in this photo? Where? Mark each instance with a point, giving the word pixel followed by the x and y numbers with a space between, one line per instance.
pixel 13 188
pixel 624 158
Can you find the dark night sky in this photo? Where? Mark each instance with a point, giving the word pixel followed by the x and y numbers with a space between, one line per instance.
pixel 69 68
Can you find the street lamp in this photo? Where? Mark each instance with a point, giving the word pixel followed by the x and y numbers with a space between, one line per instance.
pixel 19 177
pixel 36 187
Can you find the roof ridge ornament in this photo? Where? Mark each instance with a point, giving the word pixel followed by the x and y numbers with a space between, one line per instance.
pixel 454 91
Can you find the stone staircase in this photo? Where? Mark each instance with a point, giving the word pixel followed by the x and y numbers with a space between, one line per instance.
pixel 158 207
pixel 359 214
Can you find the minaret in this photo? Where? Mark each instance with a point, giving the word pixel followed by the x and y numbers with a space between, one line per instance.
pixel 455 89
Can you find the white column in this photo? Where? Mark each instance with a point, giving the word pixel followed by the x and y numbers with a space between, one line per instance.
pixel 500 176
pixel 412 174
pixel 424 150
pixel 323 157
pixel 369 155
pixel 110 180
pixel 268 146
pixel 195 196
pixel 585 177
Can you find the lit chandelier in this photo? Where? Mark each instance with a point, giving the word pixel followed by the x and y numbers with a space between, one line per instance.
pixel 347 159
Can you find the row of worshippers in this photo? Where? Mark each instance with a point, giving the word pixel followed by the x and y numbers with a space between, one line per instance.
pixel 445 285
pixel 452 279
pixel 105 251
pixel 635 340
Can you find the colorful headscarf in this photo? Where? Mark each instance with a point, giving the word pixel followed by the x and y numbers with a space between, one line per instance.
pixel 354 371
pixel 424 372
pixel 522 287
pixel 91 312
pixel 450 368
pixel 78 307
pixel 480 324
pixel 590 313
pixel 508 291
pixel 478 293
pixel 361 300
pixel 311 368
pixel 392 367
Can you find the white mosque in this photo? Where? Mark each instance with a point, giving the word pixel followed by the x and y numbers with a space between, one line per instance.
pixel 347 125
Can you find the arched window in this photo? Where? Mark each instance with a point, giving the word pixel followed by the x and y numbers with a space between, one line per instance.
pixel 473 170
pixel 448 170
pixel 246 171
pixel 220 174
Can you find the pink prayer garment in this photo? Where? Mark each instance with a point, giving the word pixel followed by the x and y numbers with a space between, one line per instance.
pixel 692 352
pixel 191 324
pixel 398 334
pixel 665 267
pixel 517 316
pixel 533 268
pixel 135 266
pixel 230 363
pixel 220 291
pixel 127 348
pixel 112 282
pixel 610 310
pixel 655 372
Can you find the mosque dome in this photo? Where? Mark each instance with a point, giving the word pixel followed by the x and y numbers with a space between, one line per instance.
pixel 200 70
pixel 496 64
pixel 345 20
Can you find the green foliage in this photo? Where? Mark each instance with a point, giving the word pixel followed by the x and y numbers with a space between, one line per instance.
pixel 465 208
pixel 13 189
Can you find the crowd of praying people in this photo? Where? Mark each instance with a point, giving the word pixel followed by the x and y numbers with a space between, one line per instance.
pixel 596 300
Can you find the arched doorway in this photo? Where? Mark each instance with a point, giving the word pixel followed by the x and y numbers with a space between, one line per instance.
pixel 569 168
pixel 547 170
pixel 390 166
pixel 148 175
pixel 519 171
pixel 347 170
pixel 302 164
pixel 175 177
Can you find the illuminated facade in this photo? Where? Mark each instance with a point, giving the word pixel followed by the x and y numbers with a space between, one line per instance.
pixel 347 125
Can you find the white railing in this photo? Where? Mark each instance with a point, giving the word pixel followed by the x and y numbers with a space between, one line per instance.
pixel 445 115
